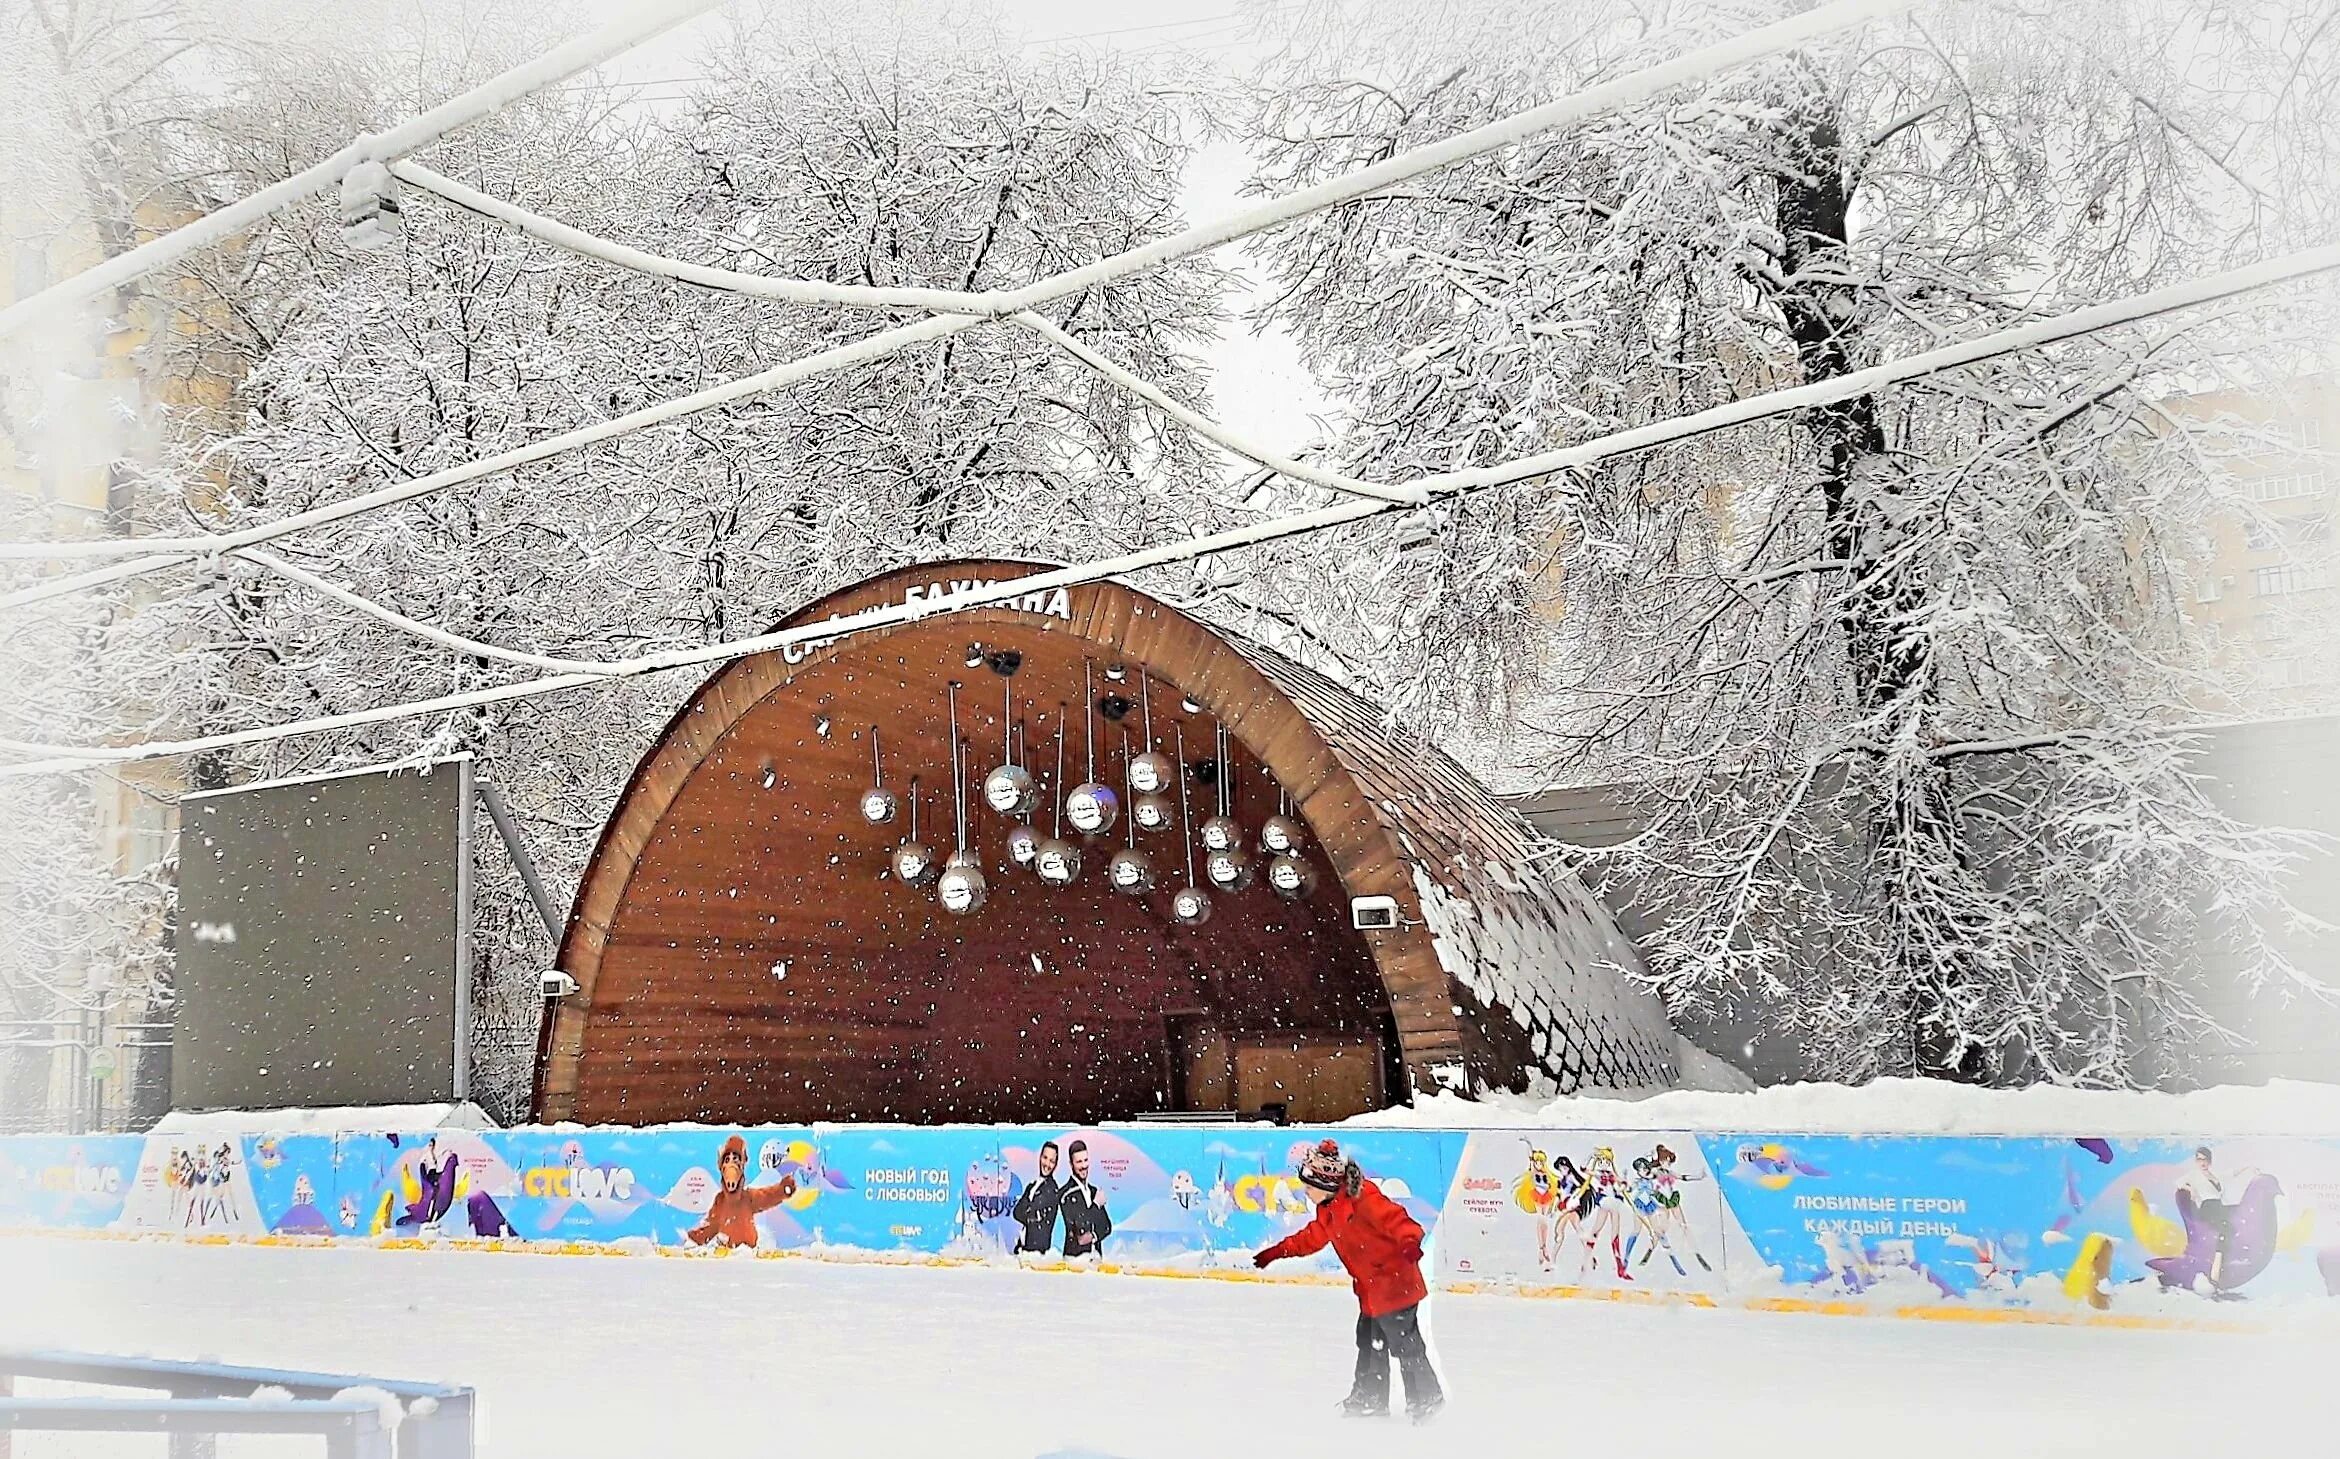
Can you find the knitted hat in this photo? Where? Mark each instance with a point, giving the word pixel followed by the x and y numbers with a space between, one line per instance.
pixel 1323 1167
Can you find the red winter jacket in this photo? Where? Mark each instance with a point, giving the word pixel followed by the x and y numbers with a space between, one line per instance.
pixel 1375 1239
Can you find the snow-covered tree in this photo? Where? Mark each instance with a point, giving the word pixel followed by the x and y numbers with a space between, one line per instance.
pixel 916 146
pixel 1807 639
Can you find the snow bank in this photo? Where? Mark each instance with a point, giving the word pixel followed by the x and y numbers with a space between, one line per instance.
pixel 1899 1107
pixel 362 1119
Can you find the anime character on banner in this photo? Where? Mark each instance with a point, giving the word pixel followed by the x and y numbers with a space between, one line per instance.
pixel 1603 1210
pixel 196 1184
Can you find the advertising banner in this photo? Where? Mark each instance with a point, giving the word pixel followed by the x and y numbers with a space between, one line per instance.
pixel 2087 1222
pixel 2070 1225
pixel 1625 1210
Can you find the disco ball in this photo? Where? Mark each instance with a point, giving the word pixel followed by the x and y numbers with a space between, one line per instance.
pixel 1131 871
pixel 1290 878
pixel 1282 833
pixel 914 863
pixel 1023 844
pixel 1092 808
pixel 879 805
pixel 1009 790
pixel 1058 862
pixel 961 889
pixel 1220 833
pixel 1228 870
pixel 1190 906
pixel 1153 812
pixel 1150 772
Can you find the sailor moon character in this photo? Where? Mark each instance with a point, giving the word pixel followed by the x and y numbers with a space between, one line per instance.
pixel 1672 1222
pixel 1538 1194
pixel 1605 1215
pixel 1641 1195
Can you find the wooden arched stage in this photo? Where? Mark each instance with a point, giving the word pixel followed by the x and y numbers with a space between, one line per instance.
pixel 744 953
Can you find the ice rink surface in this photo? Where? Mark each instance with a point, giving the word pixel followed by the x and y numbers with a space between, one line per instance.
pixel 581 1356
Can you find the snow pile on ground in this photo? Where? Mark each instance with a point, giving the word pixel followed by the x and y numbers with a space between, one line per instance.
pixel 1899 1107
pixel 362 1119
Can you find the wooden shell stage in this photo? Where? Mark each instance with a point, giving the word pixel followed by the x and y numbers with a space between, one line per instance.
pixel 745 953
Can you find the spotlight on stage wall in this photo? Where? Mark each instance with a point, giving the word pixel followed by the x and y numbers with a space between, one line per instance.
pixel 1004 661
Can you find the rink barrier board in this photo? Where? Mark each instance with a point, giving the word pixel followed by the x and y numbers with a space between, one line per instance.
pixel 2118 1232
pixel 2133 1322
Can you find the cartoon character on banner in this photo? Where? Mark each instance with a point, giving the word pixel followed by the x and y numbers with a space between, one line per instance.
pixel 201 1184
pixel 2230 1224
pixel 1671 1224
pixel 1537 1192
pixel 303 1218
pixel 730 1220
pixel 1610 1199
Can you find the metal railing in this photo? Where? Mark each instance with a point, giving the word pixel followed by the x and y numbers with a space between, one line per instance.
pixel 204 1400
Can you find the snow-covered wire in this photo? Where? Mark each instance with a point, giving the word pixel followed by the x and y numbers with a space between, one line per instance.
pixel 425 631
pixel 941 301
pixel 1764 406
pixel 170 551
pixel 645 21
pixel 1627 90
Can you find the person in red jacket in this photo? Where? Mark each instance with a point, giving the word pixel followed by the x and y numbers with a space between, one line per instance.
pixel 1381 1246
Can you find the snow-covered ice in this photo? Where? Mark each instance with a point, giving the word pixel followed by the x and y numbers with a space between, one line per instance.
pixel 583 1357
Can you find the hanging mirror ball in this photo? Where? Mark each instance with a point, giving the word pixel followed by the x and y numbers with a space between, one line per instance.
pixel 1149 772
pixel 1009 790
pixel 1282 834
pixel 1290 877
pixel 1131 871
pixel 1023 845
pixel 1229 870
pixel 1220 833
pixel 1190 906
pixel 961 888
pixel 879 805
pixel 1058 862
pixel 1092 808
pixel 914 863
pixel 1153 812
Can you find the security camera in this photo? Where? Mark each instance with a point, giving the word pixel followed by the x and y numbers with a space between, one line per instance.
pixel 1374 914
pixel 370 215
pixel 557 984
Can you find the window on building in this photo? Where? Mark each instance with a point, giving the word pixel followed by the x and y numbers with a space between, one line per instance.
pixel 2208 590
pixel 2286 486
pixel 2271 582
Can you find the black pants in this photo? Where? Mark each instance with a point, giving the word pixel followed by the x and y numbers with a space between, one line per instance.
pixel 1378 1337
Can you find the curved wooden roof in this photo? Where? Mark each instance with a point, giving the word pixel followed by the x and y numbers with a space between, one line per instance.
pixel 1504 967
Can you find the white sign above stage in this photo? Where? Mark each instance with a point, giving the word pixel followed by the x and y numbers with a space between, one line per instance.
pixel 1047 602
